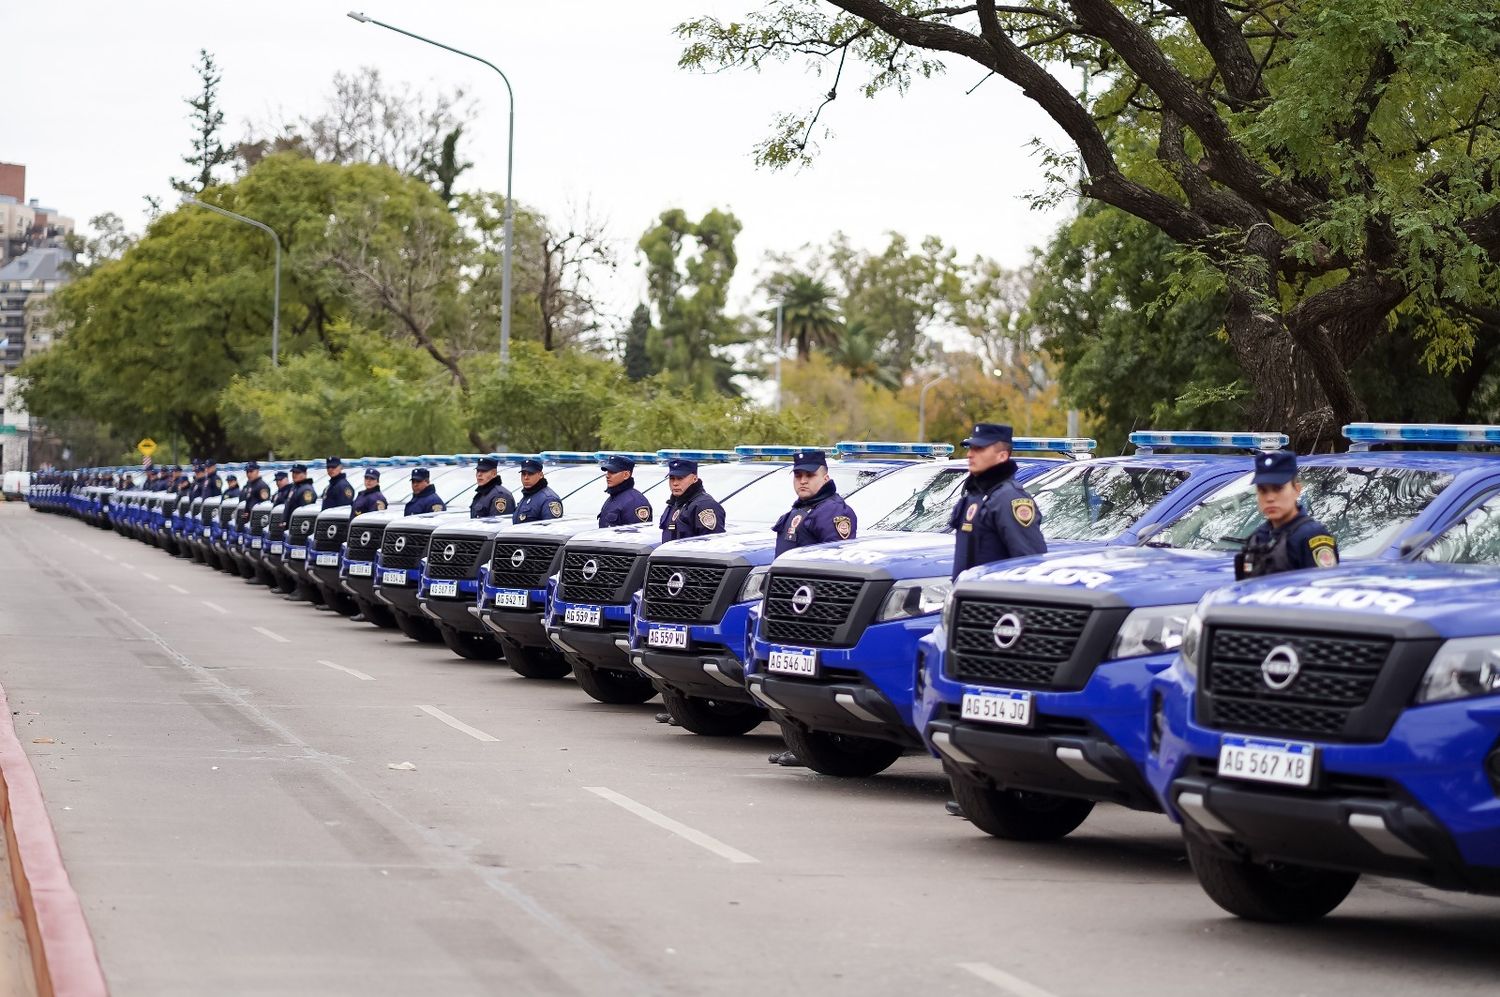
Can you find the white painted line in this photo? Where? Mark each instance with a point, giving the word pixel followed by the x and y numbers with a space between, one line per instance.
pixel 457 724
pixel 678 828
pixel 1013 985
pixel 351 671
pixel 177 588
pixel 215 607
pixel 109 557
pixel 271 634
pixel 150 577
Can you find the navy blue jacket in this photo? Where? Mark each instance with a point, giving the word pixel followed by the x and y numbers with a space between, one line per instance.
pixel 369 500
pixel 537 504
pixel 302 493
pixel 255 492
pixel 283 492
pixel 428 501
pixel 494 499
pixel 625 506
pixel 695 514
pixel 1302 543
pixel 994 519
pixel 232 493
pixel 823 518
pixel 212 486
pixel 339 492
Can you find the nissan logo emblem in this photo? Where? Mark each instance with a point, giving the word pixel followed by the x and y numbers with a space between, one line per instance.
pixel 517 558
pixel 449 551
pixel 364 539
pixel 590 569
pixel 802 599
pixel 1007 631
pixel 400 543
pixel 1280 667
pixel 332 530
pixel 675 583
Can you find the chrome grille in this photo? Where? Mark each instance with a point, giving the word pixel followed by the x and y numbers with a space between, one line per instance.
pixel 522 565
pixel 1047 637
pixel 681 593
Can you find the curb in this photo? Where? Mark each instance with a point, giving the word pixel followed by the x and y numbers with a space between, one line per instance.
pixel 63 957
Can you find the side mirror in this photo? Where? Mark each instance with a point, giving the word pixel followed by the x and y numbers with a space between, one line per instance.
pixel 1414 543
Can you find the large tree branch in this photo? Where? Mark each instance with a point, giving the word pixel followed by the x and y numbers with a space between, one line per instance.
pixel 1229 49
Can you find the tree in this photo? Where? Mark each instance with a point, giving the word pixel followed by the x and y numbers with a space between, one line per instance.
pixel 637 334
pixel 544 400
pixel 1323 163
pixel 109 242
pixel 858 352
pixel 809 317
pixel 209 153
pixel 657 414
pixel 444 170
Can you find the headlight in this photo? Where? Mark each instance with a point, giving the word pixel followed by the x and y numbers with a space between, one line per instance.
pixel 1151 631
pixel 1192 644
pixel 755 585
pixel 917 597
pixel 1469 666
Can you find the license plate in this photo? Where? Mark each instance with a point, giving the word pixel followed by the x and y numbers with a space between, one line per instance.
pixel 328 560
pixel 513 598
pixel 442 588
pixel 1285 763
pixel 393 578
pixel 275 546
pixel 255 543
pixel 583 616
pixel 667 637
pixel 299 554
pixel 361 570
pixel 792 661
pixel 1003 706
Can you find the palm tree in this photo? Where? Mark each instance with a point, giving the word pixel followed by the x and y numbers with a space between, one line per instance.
pixel 809 316
pixel 858 352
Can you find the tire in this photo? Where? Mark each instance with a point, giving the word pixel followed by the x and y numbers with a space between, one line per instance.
pixel 613 687
pixel 841 755
pixel 475 647
pixel 1277 893
pixel 535 662
pixel 417 628
pixel 712 717
pixel 1016 815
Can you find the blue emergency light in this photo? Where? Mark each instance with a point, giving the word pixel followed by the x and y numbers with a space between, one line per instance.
pixel 449 460
pixel 1054 444
pixel 1365 433
pixel 772 451
pixel 701 456
pixel 1146 441
pixel 884 448
pixel 639 456
pixel 509 458
pixel 568 457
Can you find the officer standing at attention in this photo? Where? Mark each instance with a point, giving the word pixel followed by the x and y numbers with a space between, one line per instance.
pixel 212 486
pixel 491 498
pixel 994 519
pixel 195 490
pixel 372 499
pixel 625 505
pixel 301 493
pixel 538 500
pixel 1289 539
pixel 820 514
pixel 338 492
pixel 283 488
pixel 424 497
pixel 256 490
pixel 691 511
pixel 231 487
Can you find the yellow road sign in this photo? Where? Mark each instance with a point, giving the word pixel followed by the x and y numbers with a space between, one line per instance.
pixel 147 447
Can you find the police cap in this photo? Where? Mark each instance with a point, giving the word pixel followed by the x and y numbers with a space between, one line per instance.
pixel 1275 468
pixel 331 463
pixel 987 434
pixel 372 474
pixel 531 466
pixel 299 468
pixel 809 460
pixel 680 467
pixel 615 463
pixel 280 475
pixel 421 474
pixel 486 464
pixel 211 462
pixel 231 478
pixel 252 465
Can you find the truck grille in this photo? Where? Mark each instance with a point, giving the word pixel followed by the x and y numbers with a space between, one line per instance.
pixel 522 565
pixel 330 535
pixel 302 526
pixel 364 542
pixel 1045 640
pixel 681 593
pixel 826 620
pixel 403 548
pixel 607 581
pixel 450 557
pixel 1335 677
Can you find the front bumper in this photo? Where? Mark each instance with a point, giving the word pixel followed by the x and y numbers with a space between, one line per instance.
pixel 458 612
pixel 395 595
pixel 710 667
pixel 523 627
pixel 605 646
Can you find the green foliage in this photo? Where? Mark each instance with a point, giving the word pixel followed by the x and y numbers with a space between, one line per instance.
pixel 544 400
pixel 656 415
pixel 637 335
pixel 809 316
pixel 209 153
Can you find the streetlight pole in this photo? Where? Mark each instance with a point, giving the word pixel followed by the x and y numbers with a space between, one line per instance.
pixel 276 293
pixel 510 158
pixel 922 407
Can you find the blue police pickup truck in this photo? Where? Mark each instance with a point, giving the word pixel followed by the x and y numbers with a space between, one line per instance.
pixel 1035 688
pixel 1324 724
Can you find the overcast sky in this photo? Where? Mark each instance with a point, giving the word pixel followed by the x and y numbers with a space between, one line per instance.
pixel 604 116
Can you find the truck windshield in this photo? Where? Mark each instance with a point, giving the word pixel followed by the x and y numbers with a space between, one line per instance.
pixel 1365 508
pixel 1474 539
pixel 927 508
pixel 1095 501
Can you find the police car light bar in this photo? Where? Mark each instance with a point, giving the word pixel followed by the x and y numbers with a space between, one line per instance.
pixel 568 457
pixel 1193 440
pixel 698 455
pixel 1416 432
pixel 509 458
pixel 781 451
pixel 859 448
pixel 1054 444
pixel 639 456
pixel 446 459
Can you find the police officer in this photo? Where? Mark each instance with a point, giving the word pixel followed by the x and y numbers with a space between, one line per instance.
pixel 338 492
pixel 691 511
pixel 538 500
pixel 256 490
pixel 372 499
pixel 195 490
pixel 212 486
pixel 301 492
pixel 624 505
pixel 424 497
pixel 231 487
pixel 491 498
pixel 1289 539
pixel 994 519
pixel 283 488
pixel 820 514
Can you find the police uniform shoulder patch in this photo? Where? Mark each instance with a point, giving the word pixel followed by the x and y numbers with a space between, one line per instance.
pixel 554 507
pixel 437 507
pixel 643 513
pixel 1024 510
pixel 307 495
pixel 708 519
pixel 379 505
pixel 791 528
pixel 500 504
pixel 844 526
pixel 1324 551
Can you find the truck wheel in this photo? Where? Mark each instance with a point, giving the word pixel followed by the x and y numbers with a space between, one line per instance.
pixel 535 662
pixel 475 647
pixel 712 717
pixel 609 686
pixel 1277 892
pixel 840 754
pixel 417 627
pixel 1016 815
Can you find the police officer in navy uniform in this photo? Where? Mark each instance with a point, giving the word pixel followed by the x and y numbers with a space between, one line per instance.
pixel 283 488
pixel 624 505
pixel 255 490
pixel 231 487
pixel 195 490
pixel 212 486
pixel 538 500
pixel 1289 539
pixel 424 497
pixel 691 511
pixel 372 499
pixel 301 493
pixel 820 514
pixel 338 492
pixel 491 498
pixel 994 518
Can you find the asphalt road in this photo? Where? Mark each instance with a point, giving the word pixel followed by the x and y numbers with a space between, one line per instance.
pixel 217 763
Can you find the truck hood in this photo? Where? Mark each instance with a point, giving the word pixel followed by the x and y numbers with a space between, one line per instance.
pixel 547 529
pixel 1124 576
pixel 428 521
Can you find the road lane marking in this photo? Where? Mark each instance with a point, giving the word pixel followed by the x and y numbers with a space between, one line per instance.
pixel 177 588
pixel 149 576
pixel 678 828
pixel 457 724
pixel 352 671
pixel 109 557
pixel 271 634
pixel 1013 985
pixel 215 607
